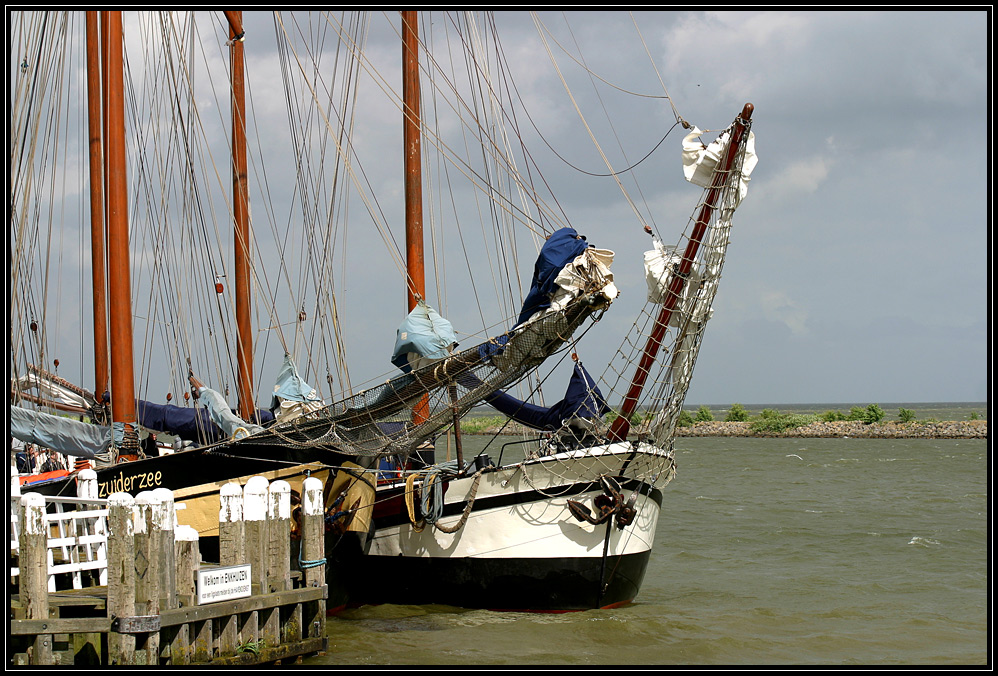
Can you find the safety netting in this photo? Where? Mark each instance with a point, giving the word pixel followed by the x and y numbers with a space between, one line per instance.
pixel 395 417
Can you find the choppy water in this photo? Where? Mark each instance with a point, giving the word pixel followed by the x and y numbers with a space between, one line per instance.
pixel 769 551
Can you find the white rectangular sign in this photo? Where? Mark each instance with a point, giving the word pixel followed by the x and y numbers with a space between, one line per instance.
pixel 223 584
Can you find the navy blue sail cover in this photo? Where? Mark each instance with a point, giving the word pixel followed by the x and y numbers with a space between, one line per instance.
pixel 583 399
pixel 560 249
pixel 187 423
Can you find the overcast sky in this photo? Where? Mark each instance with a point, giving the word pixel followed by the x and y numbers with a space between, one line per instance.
pixel 858 270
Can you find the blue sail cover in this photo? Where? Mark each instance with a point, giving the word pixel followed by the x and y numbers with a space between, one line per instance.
pixel 582 400
pixel 62 435
pixel 424 332
pixel 187 423
pixel 291 387
pixel 560 249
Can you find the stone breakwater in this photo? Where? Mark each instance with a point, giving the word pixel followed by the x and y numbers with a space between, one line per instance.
pixel 969 429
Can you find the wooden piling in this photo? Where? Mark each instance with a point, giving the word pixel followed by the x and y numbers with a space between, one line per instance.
pixel 188 558
pixel 120 576
pixel 34 572
pixel 147 574
pixel 255 498
pixel 231 540
pixel 311 556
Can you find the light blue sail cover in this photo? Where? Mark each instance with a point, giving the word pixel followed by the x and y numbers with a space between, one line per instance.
pixel 62 435
pixel 222 415
pixel 424 332
pixel 290 386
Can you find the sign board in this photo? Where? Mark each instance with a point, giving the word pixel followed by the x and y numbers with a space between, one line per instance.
pixel 223 584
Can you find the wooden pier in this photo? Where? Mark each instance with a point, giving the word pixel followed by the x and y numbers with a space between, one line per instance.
pixel 160 604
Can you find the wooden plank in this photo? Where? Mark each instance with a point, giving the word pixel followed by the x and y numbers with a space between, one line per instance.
pixel 60 625
pixel 239 606
pixel 169 618
pixel 87 648
pixel 203 641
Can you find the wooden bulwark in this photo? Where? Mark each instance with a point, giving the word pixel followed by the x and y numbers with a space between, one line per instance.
pixel 148 613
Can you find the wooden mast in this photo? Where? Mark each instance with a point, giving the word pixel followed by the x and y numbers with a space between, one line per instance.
pixel 240 208
pixel 416 284
pixel 622 424
pixel 96 207
pixel 412 149
pixel 119 288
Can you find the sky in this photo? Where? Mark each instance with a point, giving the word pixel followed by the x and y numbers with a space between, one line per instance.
pixel 859 266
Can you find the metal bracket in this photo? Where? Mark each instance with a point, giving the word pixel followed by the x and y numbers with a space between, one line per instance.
pixel 138 624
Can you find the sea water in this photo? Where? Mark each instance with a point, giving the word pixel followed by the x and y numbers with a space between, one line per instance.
pixel 768 552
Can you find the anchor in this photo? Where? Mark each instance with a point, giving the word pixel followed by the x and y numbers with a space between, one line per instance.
pixel 611 503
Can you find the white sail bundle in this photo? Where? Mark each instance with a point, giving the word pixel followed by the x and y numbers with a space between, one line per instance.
pixel 694 282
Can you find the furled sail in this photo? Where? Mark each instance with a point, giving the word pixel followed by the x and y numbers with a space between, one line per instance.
pixel 700 161
pixel 582 404
pixel 292 395
pixel 424 336
pixel 62 435
pixel 561 248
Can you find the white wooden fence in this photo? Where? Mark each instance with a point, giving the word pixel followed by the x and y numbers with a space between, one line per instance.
pixel 76 527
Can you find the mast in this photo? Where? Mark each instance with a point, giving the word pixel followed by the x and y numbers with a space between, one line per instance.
pixel 119 290
pixel 416 285
pixel 96 208
pixel 240 208
pixel 621 426
pixel 412 150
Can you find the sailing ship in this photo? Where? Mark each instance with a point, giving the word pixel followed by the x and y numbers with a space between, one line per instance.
pixel 571 525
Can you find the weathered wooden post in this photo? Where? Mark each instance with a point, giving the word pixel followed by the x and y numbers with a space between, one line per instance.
pixel 162 537
pixel 278 520
pixel 121 576
pixel 34 571
pixel 231 543
pixel 188 559
pixel 255 500
pixel 162 552
pixel 86 484
pixel 230 525
pixel 279 558
pixel 147 576
pixel 313 562
pixel 279 536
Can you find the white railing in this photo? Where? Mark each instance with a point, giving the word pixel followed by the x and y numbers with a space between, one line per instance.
pixel 77 531
pixel 76 527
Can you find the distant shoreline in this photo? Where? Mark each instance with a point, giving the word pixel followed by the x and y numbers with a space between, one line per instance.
pixel 957 429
